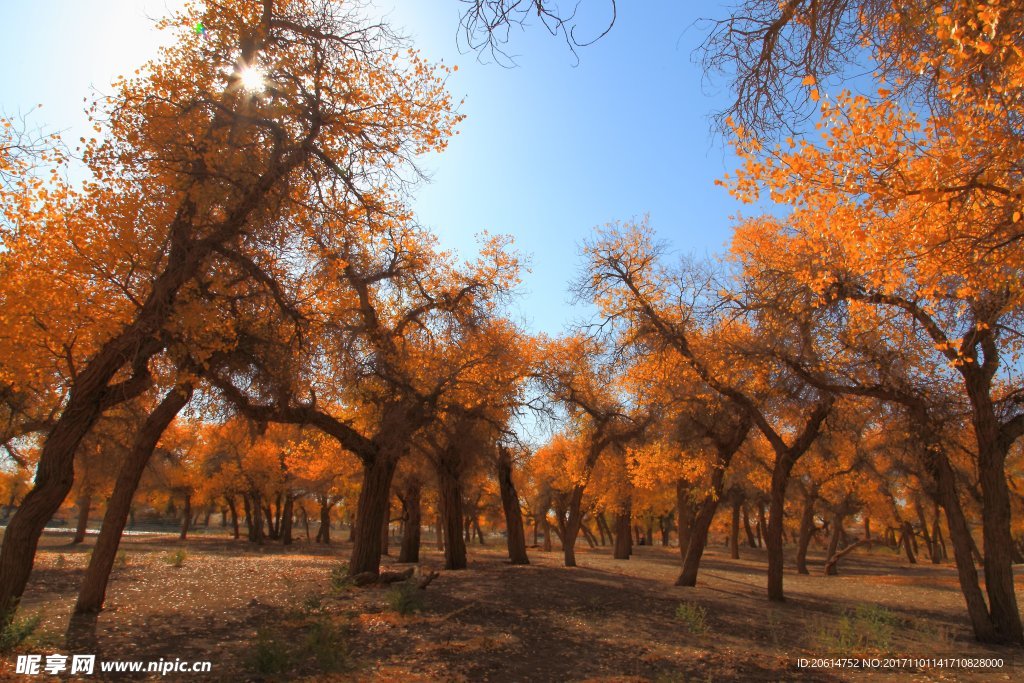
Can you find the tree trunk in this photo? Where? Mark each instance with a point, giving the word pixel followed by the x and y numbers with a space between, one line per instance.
pixel 833 560
pixel 806 531
pixel 751 541
pixel 587 533
pixel 698 535
pixel 607 537
pixel 286 519
pixel 247 512
pixel 762 524
pixel 84 505
pixel 514 532
pixel 372 508
pixel 940 543
pixel 450 499
pixel 440 529
pixel 924 531
pixel 572 526
pixel 907 541
pixel 780 478
pixel 55 471
pixel 305 520
pixel 278 515
pixel 734 528
pixel 186 518
pixel 256 509
pixel 996 534
pixel 623 542
pixel 323 534
pixel 478 530
pixel 665 524
pixel 385 529
pixel 233 509
pixel 963 546
pixel 547 534
pixel 867 530
pixel 411 504
pixel 685 513
pixel 93 590
pixel 271 517
pixel 833 542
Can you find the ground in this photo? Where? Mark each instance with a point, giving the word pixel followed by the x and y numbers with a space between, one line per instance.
pixel 270 613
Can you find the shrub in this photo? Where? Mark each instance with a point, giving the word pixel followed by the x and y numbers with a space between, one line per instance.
pixel 340 580
pixel 866 627
pixel 693 617
pixel 176 559
pixel 17 631
pixel 122 559
pixel 405 597
pixel 312 603
pixel 326 643
pixel 269 656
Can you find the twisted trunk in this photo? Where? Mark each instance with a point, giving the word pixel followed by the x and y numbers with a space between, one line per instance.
pixel 514 532
pixel 806 532
pixel 93 590
pixel 371 510
pixel 450 497
pixel 411 504
pixel 623 542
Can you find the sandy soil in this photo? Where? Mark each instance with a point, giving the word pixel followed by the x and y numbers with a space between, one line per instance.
pixel 276 614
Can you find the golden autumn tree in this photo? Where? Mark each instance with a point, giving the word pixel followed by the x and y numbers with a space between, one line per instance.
pixel 290 110
pixel 910 216
pixel 692 445
pixel 634 291
pixel 381 336
pixel 580 375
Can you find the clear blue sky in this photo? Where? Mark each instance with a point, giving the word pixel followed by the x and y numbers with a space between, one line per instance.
pixel 548 149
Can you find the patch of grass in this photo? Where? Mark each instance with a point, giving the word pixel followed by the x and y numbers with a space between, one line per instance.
pixel 17 630
pixel 176 559
pixel 939 633
pixel 774 626
pixel 864 628
pixel 269 656
pixel 325 642
pixel 693 617
pixel 341 582
pixel 405 597
pixel 312 604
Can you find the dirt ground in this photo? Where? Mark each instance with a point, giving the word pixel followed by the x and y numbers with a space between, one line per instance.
pixel 272 613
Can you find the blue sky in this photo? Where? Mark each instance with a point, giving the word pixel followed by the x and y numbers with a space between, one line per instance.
pixel 548 150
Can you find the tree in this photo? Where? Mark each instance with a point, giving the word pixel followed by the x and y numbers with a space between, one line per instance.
pixel 917 214
pixel 633 291
pixel 580 375
pixel 195 166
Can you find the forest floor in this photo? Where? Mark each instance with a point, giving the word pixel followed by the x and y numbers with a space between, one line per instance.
pixel 273 613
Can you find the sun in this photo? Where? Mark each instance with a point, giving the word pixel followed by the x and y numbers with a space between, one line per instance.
pixel 253 79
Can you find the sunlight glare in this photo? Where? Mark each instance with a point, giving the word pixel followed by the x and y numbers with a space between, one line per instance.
pixel 253 79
